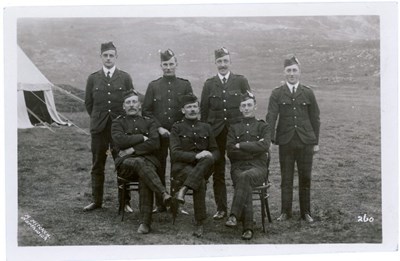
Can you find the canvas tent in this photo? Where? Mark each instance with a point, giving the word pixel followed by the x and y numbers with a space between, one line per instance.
pixel 35 95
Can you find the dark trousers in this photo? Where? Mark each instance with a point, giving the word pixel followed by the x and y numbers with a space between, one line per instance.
pixel 100 143
pixel 149 183
pixel 301 154
pixel 219 173
pixel 162 155
pixel 245 178
pixel 192 176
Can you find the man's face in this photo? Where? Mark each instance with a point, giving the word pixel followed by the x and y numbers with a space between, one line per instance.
pixel 132 105
pixel 248 108
pixel 223 63
pixel 292 73
pixel 109 58
pixel 191 110
pixel 169 67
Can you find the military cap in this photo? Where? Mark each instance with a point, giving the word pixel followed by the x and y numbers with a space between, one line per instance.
pixel 107 46
pixel 290 61
pixel 133 92
pixel 186 99
pixel 246 96
pixel 166 55
pixel 221 52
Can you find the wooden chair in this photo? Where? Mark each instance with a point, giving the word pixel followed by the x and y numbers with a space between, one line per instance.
pixel 125 186
pixel 262 192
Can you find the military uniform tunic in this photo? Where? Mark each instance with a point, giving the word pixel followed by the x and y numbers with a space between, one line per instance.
pixel 127 132
pixel 248 164
pixel 103 100
pixel 188 138
pixel 295 119
pixel 220 107
pixel 161 103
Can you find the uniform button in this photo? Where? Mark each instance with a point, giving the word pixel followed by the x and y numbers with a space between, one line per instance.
pixel 169 109
pixel 165 113
pixel 295 126
pixel 294 108
pixel 169 118
pixel 109 101
pixel 224 91
pixel 247 141
pixel 225 118
pixel 109 110
pixel 108 84
pixel 169 90
pixel 169 82
pixel 192 126
pixel 293 99
pixel 154 99
pixel 224 100
pixel 247 131
pixel 195 143
pixel 135 128
pixel 194 133
pixel 247 124
pixel 224 109
pixel 109 93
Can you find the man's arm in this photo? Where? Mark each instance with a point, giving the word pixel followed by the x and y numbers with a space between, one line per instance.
pixel 272 115
pixel 148 104
pixel 235 153
pixel 313 113
pixel 121 139
pixel 177 153
pixel 204 103
pixel 151 144
pixel 89 95
pixel 260 146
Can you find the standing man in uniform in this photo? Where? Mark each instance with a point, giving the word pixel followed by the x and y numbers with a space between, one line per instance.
pixel 103 100
pixel 247 146
pixel 136 139
pixel 193 153
pixel 220 101
pixel 161 103
pixel 293 114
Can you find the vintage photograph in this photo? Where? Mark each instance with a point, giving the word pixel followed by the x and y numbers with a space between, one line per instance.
pixel 253 129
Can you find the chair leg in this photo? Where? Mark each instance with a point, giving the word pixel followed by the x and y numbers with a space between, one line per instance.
pixel 262 198
pixel 123 201
pixel 267 207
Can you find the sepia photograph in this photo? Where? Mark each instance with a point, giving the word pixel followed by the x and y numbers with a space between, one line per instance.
pixel 180 131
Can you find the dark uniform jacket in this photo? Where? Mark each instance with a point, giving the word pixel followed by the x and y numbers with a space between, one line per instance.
pixel 161 100
pixel 288 113
pixel 103 98
pixel 254 138
pixel 128 131
pixel 220 103
pixel 189 137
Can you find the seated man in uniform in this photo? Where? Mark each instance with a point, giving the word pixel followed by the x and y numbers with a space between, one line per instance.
pixel 247 145
pixel 193 153
pixel 136 139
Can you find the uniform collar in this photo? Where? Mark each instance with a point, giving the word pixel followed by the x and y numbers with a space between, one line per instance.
pixel 248 120
pixel 106 70
pixel 226 76
pixel 290 86
pixel 169 78
pixel 189 121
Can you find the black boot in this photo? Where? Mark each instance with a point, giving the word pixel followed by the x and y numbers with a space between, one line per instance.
pixel 181 194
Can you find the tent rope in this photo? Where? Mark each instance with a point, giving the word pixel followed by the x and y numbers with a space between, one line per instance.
pixel 65 118
pixel 38 118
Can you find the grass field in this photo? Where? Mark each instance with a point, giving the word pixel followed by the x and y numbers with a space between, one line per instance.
pixel 53 168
